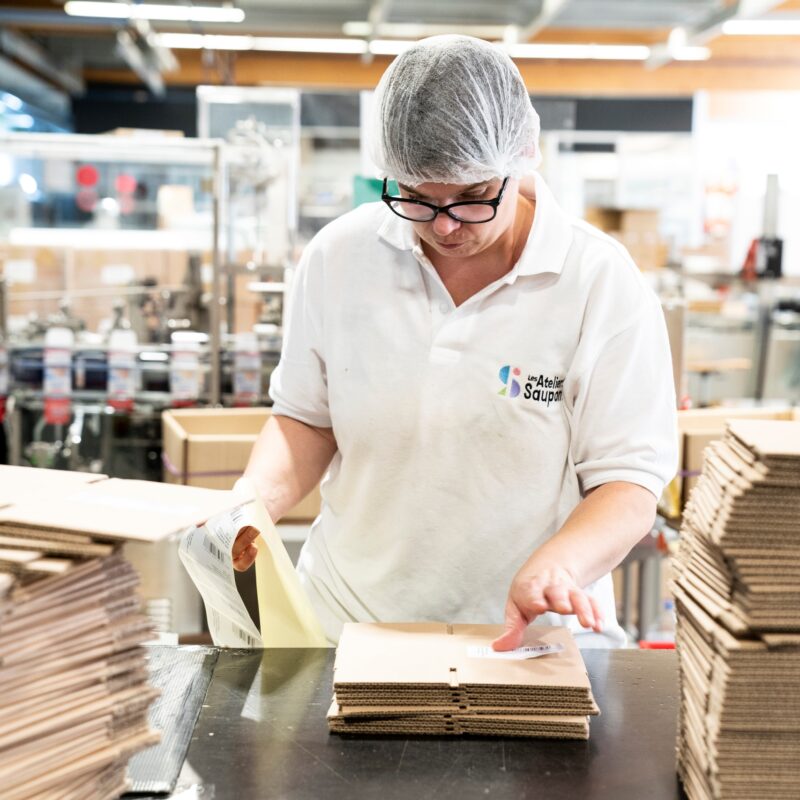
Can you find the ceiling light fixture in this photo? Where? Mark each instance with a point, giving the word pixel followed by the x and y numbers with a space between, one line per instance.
pixel 277 44
pixel 691 53
pixel 393 47
pixel 154 11
pixel 285 44
pixel 208 41
pixel 761 27
pixel 590 52
pixel 419 30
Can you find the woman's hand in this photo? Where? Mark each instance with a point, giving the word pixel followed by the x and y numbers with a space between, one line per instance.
pixel 244 551
pixel 545 588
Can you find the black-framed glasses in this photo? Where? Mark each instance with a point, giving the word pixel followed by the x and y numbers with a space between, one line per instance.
pixel 470 211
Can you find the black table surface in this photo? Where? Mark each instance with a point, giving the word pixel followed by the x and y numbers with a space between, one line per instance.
pixel 262 734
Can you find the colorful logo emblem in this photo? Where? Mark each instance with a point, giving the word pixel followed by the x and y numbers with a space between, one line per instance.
pixel 510 386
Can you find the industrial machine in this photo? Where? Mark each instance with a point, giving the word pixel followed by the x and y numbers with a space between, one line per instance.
pixel 136 278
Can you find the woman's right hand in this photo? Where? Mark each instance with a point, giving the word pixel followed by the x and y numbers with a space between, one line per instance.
pixel 244 550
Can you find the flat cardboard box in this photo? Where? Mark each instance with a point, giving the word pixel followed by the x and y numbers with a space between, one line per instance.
pixel 459 723
pixel 430 663
pixel 18 483
pixel 697 428
pixel 440 679
pixel 210 448
pixel 121 509
pixel 769 442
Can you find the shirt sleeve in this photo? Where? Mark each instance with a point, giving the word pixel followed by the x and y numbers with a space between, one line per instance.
pixel 299 386
pixel 624 419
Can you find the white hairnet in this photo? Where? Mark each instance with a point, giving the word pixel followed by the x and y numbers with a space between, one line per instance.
pixel 453 109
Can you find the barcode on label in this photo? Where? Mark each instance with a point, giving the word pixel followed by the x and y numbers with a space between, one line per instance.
pixel 214 550
pixel 521 653
pixel 539 649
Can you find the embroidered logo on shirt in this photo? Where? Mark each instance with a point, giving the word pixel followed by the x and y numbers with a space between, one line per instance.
pixel 510 386
pixel 546 389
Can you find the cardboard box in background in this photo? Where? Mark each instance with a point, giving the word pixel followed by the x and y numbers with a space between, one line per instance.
pixel 623 220
pixel 639 220
pixel 636 229
pixel 647 249
pixel 210 447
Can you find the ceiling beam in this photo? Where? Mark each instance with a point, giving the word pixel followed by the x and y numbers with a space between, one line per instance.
pixel 548 11
pixel 33 90
pixel 378 12
pixel 28 52
pixel 613 79
pixel 139 61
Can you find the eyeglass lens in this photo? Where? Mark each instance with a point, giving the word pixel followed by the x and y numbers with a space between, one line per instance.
pixel 465 212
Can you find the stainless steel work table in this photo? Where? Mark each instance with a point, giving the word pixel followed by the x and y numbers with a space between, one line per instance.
pixel 262 734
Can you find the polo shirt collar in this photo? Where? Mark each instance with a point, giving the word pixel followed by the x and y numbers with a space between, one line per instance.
pixel 545 251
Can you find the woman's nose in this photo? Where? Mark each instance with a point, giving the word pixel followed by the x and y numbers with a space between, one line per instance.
pixel 444 225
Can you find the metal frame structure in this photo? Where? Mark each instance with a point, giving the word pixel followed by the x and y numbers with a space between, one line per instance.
pixel 209 153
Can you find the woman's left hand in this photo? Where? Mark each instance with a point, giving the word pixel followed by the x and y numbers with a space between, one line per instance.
pixel 545 588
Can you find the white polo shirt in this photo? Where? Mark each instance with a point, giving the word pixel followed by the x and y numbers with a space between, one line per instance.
pixel 467 434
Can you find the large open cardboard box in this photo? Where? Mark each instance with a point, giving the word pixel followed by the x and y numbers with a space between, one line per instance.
pixel 209 447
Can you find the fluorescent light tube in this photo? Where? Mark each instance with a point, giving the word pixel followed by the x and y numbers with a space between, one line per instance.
pixel 154 11
pixel 277 44
pixel 603 52
pixel 389 47
pixel 393 47
pixel 419 30
pixel 286 44
pixel 690 53
pixel 761 27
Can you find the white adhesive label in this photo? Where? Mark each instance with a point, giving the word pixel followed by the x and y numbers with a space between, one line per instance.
pixel 520 654
pixel 122 373
pixel 247 377
pixel 185 376
pixel 246 370
pixel 57 372
pixel 206 552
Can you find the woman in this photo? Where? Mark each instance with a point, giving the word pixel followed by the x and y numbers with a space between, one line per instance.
pixel 485 382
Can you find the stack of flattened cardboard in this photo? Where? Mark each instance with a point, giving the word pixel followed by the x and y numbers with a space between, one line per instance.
pixel 434 678
pixel 73 693
pixel 737 589
pixel 73 677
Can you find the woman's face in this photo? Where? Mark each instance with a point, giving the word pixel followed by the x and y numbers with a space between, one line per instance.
pixel 449 237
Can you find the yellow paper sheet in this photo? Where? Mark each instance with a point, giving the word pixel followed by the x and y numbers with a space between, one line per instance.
pixel 287 617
